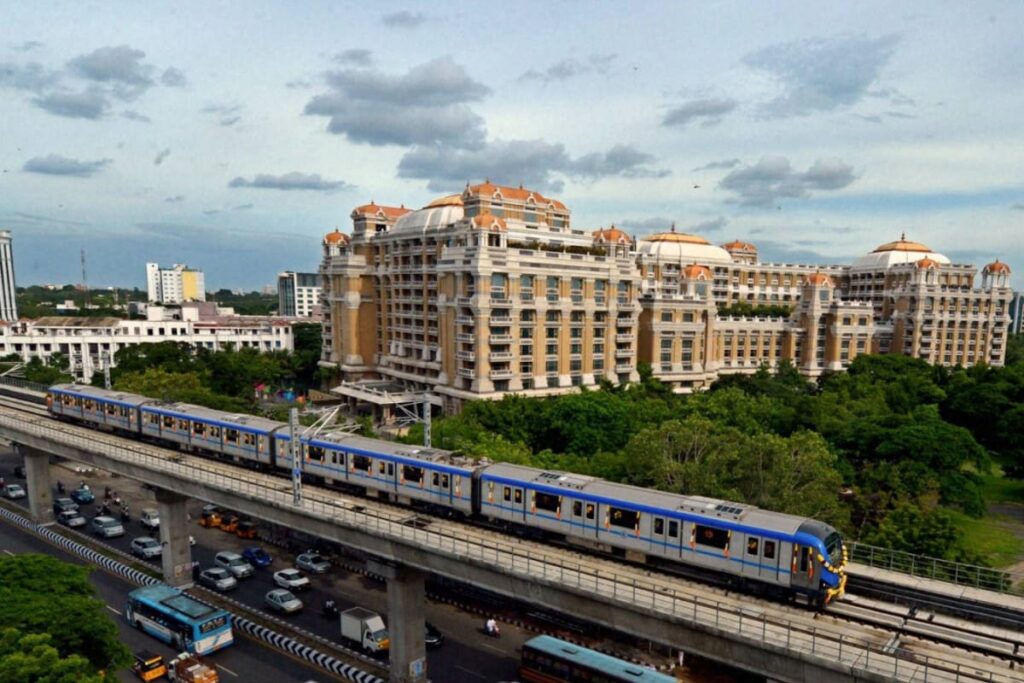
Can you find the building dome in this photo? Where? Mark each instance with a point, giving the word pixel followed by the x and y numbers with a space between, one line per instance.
pixel 450 200
pixel 336 237
pixel 997 267
pixel 681 247
pixel 429 218
pixel 896 253
pixel 819 279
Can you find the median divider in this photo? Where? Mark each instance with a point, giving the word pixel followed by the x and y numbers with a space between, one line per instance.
pixel 254 630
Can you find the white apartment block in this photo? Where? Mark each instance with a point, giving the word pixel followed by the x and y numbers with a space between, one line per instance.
pixel 8 305
pixel 298 294
pixel 176 284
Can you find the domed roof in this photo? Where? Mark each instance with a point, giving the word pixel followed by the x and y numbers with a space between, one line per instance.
pixel 429 218
pixel 896 253
pixel 486 221
pixel 927 263
pixel 819 279
pixel 336 237
pixel 612 234
pixel 997 266
pixel 697 272
pixel 681 247
pixel 737 245
pixel 450 200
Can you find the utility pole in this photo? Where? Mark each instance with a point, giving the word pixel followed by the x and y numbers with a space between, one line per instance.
pixel 426 419
pixel 293 430
pixel 85 281
pixel 106 370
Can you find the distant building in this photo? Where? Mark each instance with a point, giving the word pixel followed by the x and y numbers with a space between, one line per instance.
pixel 8 305
pixel 298 294
pixel 268 290
pixel 1016 313
pixel 175 284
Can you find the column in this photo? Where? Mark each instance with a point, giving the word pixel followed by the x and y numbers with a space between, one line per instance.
pixel 177 554
pixel 37 475
pixel 405 621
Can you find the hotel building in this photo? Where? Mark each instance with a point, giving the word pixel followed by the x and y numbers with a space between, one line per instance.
pixel 491 291
pixel 175 285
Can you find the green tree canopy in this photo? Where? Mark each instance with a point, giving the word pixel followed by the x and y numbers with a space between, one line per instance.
pixel 32 658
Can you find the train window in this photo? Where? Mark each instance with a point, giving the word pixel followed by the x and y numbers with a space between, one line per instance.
pixel 508 493
pixel 198 427
pixel 89 405
pixel 153 418
pixel 590 510
pixel 231 436
pixel 621 517
pixel 577 508
pixel 248 439
pixel 752 544
pixel 183 425
pixel 659 526
pixel 444 481
pixel 546 501
pixel 337 458
pixel 111 409
pixel 361 462
pixel 519 495
pixel 168 422
pixel 805 556
pixel 391 469
pixel 712 536
pixel 214 432
pixel 769 550
pixel 124 411
pixel 381 466
pixel 315 453
pixel 673 529
pixel 414 474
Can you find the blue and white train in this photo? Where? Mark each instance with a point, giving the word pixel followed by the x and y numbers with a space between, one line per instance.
pixel 756 548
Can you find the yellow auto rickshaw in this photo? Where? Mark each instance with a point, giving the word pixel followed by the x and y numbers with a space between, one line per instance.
pixel 229 523
pixel 246 530
pixel 210 519
pixel 149 666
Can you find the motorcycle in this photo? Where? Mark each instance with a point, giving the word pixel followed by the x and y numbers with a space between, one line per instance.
pixel 329 610
pixel 491 631
pixel 60 488
pixel 125 517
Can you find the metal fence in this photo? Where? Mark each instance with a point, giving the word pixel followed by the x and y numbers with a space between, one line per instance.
pixel 936 568
pixel 23 384
pixel 830 646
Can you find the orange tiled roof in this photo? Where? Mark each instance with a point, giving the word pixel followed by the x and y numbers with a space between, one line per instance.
pixel 997 266
pixel 486 221
pixel 336 237
pixel 677 237
pixel 612 234
pixel 819 279
pixel 926 263
pixel 902 244
pixel 374 209
pixel 696 272
pixel 487 188
pixel 450 200
pixel 737 245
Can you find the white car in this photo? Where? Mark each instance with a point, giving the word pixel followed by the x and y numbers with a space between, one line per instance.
pixel 282 601
pixel 108 527
pixel 313 563
pixel 292 579
pixel 150 519
pixel 234 563
pixel 71 518
pixel 147 548
pixel 218 579
pixel 13 491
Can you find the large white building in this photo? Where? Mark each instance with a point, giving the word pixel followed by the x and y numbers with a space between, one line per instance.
pixel 175 285
pixel 298 294
pixel 8 305
pixel 88 342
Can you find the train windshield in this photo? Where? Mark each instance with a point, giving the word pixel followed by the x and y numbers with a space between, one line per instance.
pixel 834 546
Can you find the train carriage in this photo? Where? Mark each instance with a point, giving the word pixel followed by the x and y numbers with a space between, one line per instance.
pixel 117 410
pixel 241 437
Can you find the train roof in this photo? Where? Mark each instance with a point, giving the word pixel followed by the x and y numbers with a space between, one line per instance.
pixel 250 422
pixel 102 394
pixel 378 447
pixel 598 661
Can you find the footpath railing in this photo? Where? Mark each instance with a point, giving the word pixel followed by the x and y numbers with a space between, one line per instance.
pixel 935 568
pixel 827 646
pixel 23 384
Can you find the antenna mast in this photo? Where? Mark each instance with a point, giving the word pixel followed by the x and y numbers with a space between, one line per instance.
pixel 85 281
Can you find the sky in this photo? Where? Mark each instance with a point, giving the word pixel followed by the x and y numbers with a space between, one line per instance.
pixel 231 136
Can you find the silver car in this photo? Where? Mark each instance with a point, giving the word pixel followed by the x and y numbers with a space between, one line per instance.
pixel 108 527
pixel 291 579
pixel 218 579
pixel 282 601
pixel 14 491
pixel 146 547
pixel 71 518
pixel 313 563
pixel 234 563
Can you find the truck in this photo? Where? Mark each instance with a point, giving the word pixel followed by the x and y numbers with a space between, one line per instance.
pixel 366 628
pixel 190 668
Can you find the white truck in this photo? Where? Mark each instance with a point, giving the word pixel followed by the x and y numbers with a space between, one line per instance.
pixel 366 628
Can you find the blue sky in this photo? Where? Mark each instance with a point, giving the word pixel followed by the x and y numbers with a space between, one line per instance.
pixel 232 136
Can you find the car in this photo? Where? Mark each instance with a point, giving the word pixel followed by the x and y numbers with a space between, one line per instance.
pixel 13 491
pixel 146 547
pixel 150 519
pixel 217 578
pixel 234 563
pixel 71 518
pixel 313 563
pixel 282 601
pixel 257 556
pixel 62 504
pixel 108 527
pixel 291 579
pixel 83 496
pixel 433 638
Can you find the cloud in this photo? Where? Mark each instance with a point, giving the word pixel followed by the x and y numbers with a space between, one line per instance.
pixel 211 212
pixel 228 114
pixel 570 68
pixel 708 111
pixel 426 105
pixel 646 226
pixel 173 78
pixel 136 116
pixel 712 225
pixel 175 199
pixel 163 154
pixel 28 45
pixel 822 75
pixel 713 165
pixel 121 67
pixel 292 181
pixel 773 178
pixel 87 104
pixel 242 207
pixel 1018 207
pixel 33 77
pixel 355 57
pixel 533 163
pixel 55 164
pixel 404 19
pixel 770 251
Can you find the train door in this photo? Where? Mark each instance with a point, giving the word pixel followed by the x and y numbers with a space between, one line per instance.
pixel 751 557
pixel 584 518
pixel 659 536
pixel 802 568
pixel 769 560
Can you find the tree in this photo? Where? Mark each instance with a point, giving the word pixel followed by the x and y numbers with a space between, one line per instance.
pixel 186 387
pixel 915 530
pixel 54 371
pixel 32 658
pixel 39 594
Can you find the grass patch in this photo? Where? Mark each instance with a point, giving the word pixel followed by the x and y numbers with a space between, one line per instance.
pixel 996 488
pixel 990 537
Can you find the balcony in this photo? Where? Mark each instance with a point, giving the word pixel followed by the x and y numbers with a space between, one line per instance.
pixel 464 300
pixel 465 355
pixel 501 374
pixel 501 320
pixel 623 368
pixel 464 320
pixel 500 356
pixel 624 337
pixel 500 339
pixel 623 353
pixel 465 338
pixel 500 300
pixel 469 373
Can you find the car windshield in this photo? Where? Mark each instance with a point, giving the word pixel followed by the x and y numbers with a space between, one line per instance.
pixel 285 596
pixel 237 562
pixel 148 543
pixel 316 559
pixel 291 575
pixel 217 573
pixel 109 523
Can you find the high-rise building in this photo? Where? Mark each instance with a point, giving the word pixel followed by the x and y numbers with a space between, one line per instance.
pixel 490 291
pixel 8 302
pixel 175 285
pixel 298 294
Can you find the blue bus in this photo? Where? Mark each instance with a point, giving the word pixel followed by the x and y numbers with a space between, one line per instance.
pixel 173 617
pixel 550 660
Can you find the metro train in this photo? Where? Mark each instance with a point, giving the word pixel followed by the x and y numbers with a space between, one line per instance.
pixel 753 548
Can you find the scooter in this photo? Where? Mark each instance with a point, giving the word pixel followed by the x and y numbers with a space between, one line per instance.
pixel 329 611
pixel 492 633
pixel 125 517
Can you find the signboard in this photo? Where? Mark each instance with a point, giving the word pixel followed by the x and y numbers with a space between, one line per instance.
pixel 418 667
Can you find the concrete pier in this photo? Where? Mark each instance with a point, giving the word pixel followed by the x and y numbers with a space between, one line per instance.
pixel 177 553
pixel 406 628
pixel 38 485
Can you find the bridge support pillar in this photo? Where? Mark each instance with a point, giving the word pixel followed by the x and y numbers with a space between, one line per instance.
pixel 177 554
pixel 406 594
pixel 37 476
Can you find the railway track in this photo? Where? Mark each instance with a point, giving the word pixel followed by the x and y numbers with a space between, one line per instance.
pixel 912 631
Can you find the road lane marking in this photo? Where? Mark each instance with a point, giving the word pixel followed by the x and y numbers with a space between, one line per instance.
pixel 493 649
pixel 221 666
pixel 112 609
pixel 471 673
pixel 8 552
